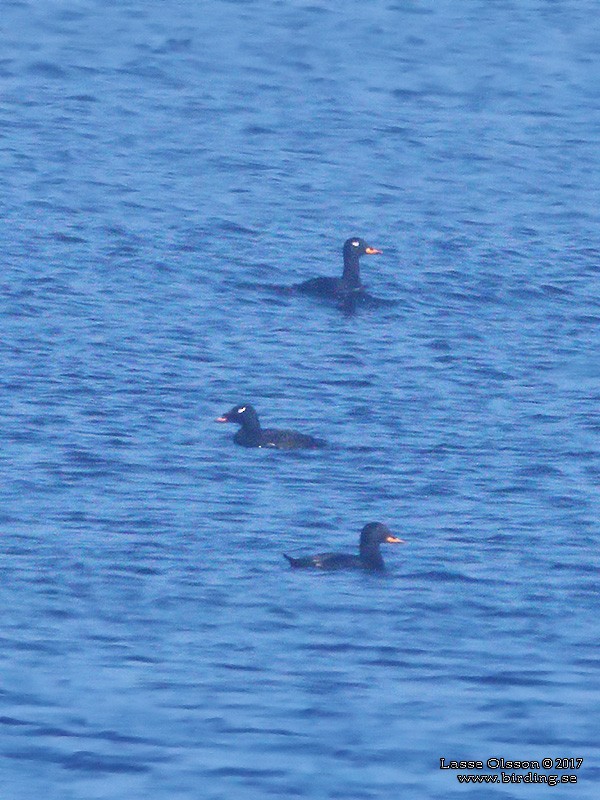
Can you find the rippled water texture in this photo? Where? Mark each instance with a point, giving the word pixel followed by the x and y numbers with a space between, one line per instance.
pixel 162 163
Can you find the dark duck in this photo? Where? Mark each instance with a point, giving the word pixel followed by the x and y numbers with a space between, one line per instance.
pixel 369 554
pixel 252 435
pixel 349 284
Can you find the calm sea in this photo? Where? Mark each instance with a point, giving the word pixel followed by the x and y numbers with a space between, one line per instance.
pixel 160 164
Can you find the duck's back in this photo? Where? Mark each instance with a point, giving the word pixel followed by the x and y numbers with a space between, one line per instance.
pixel 327 561
pixel 289 440
pixel 321 287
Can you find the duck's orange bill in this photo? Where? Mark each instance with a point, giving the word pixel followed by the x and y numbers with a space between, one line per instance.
pixel 394 540
pixel 371 251
pixel 221 419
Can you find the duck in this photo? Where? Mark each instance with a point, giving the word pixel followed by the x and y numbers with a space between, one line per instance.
pixel 251 434
pixel 369 555
pixel 340 288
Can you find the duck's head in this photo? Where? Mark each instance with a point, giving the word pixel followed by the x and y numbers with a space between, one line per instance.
pixel 355 247
pixel 240 414
pixel 378 533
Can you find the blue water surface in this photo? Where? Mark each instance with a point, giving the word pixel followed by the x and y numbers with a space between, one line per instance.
pixel 161 163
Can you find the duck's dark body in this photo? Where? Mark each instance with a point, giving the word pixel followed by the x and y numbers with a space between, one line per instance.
pixel 280 439
pixel 369 556
pixel 328 561
pixel 332 288
pixel 252 435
